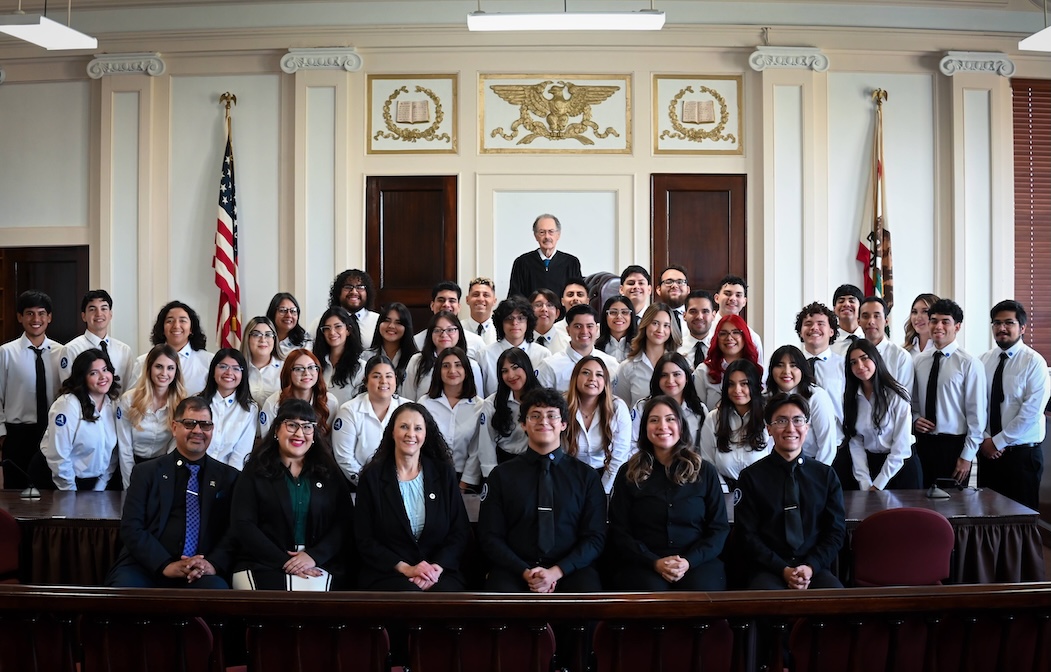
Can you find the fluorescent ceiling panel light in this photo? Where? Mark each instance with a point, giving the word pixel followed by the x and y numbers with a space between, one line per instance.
pixel 44 32
pixel 1037 41
pixel 645 19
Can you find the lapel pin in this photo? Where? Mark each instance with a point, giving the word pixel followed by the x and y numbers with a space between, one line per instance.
pixel 432 495
pixel 318 484
pixel 211 484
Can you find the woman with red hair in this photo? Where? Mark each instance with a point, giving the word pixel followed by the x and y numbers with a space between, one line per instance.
pixel 733 341
pixel 301 379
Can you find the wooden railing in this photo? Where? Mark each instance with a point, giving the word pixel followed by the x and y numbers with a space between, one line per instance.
pixel 936 628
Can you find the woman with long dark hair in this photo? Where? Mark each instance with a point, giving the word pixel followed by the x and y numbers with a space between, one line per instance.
pixel 291 511
pixel 443 331
pixel 616 327
pixel 456 408
pixel 410 523
pixel 734 434
pixel 658 334
pixel 284 313
pixel 301 379
pixel 673 377
pixel 667 517
pixel 360 422
pixel 338 348
pixel 599 429
pixel 393 339
pixel 877 420
pixel 82 425
pixel 179 326
pixel 145 412
pixel 503 430
pixel 732 341
pixel 234 412
pixel 791 373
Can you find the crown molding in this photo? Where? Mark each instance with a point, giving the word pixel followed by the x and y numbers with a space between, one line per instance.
pixel 324 58
pixel 798 58
pixel 976 61
pixel 126 64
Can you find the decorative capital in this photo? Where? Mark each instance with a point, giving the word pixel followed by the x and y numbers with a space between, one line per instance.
pixel 126 64
pixel 801 58
pixel 992 62
pixel 325 58
pixel 3 75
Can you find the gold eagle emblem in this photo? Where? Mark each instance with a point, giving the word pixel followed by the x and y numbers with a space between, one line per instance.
pixel 549 101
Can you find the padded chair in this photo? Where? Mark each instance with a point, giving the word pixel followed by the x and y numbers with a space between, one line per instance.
pixel 145 645
pixel 902 547
pixel 627 647
pixel 321 648
pixel 493 647
pixel 10 544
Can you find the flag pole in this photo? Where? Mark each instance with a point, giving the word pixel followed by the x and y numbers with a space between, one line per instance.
pixel 225 262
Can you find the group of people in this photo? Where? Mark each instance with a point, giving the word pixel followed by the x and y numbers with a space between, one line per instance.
pixel 540 402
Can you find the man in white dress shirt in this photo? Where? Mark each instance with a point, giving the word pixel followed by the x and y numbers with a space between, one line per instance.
pixel 481 299
pixel 635 284
pixel 873 323
pixel 446 296
pixel 1010 460
pixel 575 294
pixel 555 371
pixel 96 309
pixel 814 324
pixel 699 318
pixel 545 309
pixel 846 304
pixel 353 289
pixel 949 400
pixel 673 287
pixel 731 299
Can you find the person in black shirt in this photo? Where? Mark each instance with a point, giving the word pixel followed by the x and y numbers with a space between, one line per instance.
pixel 792 534
pixel 543 515
pixel 544 267
pixel 667 517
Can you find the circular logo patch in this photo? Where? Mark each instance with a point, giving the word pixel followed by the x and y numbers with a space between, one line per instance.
pixel 64 364
pixel 337 424
pixel 60 420
pixel 262 417
pixel 481 419
pixel 484 493
pixel 737 496
pixel 119 413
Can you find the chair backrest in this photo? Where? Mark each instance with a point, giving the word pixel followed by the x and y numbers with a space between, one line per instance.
pixel 902 547
pixel 146 645
pixel 345 647
pixel 685 647
pixel 36 644
pixel 495 647
pixel 10 541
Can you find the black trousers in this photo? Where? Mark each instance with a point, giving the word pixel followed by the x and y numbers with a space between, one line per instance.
pixel 771 581
pixel 909 477
pixel 584 580
pixel 22 442
pixel 938 454
pixel 1015 474
pixel 704 577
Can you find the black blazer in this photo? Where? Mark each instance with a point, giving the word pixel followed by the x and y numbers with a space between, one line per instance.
pixel 381 525
pixel 262 524
pixel 148 503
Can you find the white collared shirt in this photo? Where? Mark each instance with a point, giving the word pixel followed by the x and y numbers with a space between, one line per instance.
pixel 460 426
pixel 285 345
pixel 514 443
pixel 1026 390
pixel 554 340
pixel 269 411
pixel 262 382
pixel 843 340
pixel 193 366
pixel 119 356
pixel 898 361
pixel 235 429
pixel 618 350
pixel 356 433
pixel 633 378
pixel 413 392
pixel 488 334
pixel 689 342
pixel 18 380
pixel 962 395
pixel 351 389
pixel 831 375
pixel 741 455
pixel 555 371
pixel 76 448
pixel 152 438
pixel 489 357
pixel 591 450
pixel 894 437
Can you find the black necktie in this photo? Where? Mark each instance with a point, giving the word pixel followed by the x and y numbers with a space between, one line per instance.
pixel 545 509
pixel 479 330
pixel 698 354
pixel 852 337
pixel 542 341
pixel 105 349
pixel 793 517
pixel 813 366
pixel 932 388
pixel 41 386
pixel 995 420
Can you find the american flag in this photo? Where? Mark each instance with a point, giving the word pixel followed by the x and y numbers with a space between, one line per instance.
pixel 225 259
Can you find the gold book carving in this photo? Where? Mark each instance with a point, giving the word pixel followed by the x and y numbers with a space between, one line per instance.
pixel 414 112
pixel 698 112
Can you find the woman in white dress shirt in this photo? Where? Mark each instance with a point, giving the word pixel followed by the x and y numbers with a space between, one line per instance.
pixel 359 424
pixel 673 377
pixel 82 425
pixel 179 326
pixel 338 347
pixel 732 341
pixel 145 411
pixel 790 373
pixel 917 326
pixel 457 409
pixel 443 331
pixel 234 413
pixel 283 312
pixel 301 379
pixel 734 434
pixel 658 334
pixel 394 339
pixel 260 350
pixel 877 420
pixel 616 327
pixel 599 431
pixel 500 416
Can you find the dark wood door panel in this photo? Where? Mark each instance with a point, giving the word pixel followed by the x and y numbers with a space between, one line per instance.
pixel 59 272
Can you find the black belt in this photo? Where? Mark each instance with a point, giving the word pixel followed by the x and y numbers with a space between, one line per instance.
pixel 1022 446
pixel 87 483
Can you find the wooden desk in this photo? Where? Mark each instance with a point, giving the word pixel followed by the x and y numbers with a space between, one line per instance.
pixel 73 538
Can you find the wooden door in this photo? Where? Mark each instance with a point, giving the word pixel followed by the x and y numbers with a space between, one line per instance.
pixel 699 221
pixel 59 272
pixel 410 237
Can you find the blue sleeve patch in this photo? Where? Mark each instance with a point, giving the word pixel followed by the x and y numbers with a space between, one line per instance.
pixel 481 419
pixel 737 496
pixel 634 414
pixel 64 364
pixel 337 425
pixel 119 413
pixel 60 420
pixel 485 492
pixel 262 417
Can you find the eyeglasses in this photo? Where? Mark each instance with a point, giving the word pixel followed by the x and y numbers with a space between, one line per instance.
pixel 538 306
pixel 516 319
pixel 736 333
pixel 1010 324
pixel 229 367
pixel 288 311
pixel 351 288
pixel 672 282
pixel 190 425
pixel 291 426
pixel 448 331
pixel 619 313
pixel 554 417
pixel 796 420
pixel 265 335
pixel 337 328
pixel 300 370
